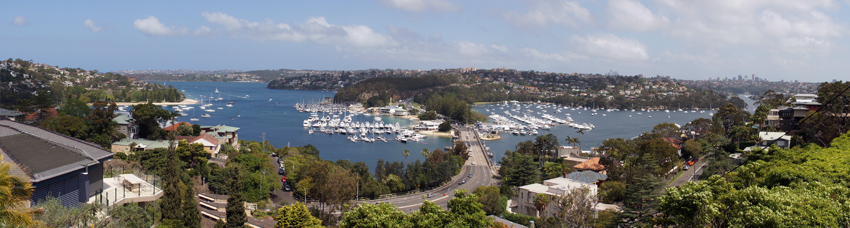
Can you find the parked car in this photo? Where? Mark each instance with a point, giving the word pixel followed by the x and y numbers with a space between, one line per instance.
pixel 281 171
pixel 286 187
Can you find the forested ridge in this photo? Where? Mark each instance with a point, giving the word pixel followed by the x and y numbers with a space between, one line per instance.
pixel 396 88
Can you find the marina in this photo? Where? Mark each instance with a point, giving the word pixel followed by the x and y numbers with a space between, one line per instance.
pixel 283 123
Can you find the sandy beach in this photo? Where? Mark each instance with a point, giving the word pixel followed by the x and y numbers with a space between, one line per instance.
pixel 187 101
pixel 491 137
pixel 436 133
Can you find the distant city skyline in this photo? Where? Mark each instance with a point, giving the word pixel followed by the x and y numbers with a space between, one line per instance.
pixel 805 40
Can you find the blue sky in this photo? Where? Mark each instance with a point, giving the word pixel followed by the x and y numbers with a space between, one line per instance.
pixel 804 40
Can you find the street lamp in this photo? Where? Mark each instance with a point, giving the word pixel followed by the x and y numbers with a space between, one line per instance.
pixel 305 194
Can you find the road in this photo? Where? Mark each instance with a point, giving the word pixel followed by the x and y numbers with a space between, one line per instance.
pixel 478 165
pixel 691 174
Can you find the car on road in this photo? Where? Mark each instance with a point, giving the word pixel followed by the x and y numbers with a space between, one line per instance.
pixel 461 182
pixel 470 175
pixel 473 163
pixel 430 195
pixel 286 187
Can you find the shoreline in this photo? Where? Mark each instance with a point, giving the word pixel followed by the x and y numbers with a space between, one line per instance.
pixel 186 101
pixel 494 138
pixel 436 133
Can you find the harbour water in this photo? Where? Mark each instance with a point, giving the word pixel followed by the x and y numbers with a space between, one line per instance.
pixel 257 110
pixel 271 112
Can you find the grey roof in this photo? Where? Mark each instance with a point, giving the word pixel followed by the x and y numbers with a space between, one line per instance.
pixel 122 119
pixel 45 154
pixel 589 177
pixel 7 112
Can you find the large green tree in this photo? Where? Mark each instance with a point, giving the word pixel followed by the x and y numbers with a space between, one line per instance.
pixel 296 215
pixel 149 116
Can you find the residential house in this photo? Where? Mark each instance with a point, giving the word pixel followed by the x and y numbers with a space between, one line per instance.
pixel 126 125
pixel 41 115
pixel 176 126
pixel 210 143
pixel 587 176
pixel 523 202
pixel 766 139
pixel 225 134
pixel 9 114
pixel 58 166
pixel 591 164
pixel 129 146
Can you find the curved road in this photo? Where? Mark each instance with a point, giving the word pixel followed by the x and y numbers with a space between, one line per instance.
pixel 477 165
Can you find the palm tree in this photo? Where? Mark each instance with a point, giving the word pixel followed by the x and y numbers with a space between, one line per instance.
pixel 541 200
pixel 405 153
pixel 426 153
pixel 14 192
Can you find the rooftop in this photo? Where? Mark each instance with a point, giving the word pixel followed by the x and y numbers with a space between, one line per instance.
pixel 122 119
pixel 590 164
pixel 588 177
pixel 44 154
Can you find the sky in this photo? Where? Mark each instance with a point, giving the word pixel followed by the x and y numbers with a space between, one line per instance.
pixel 804 40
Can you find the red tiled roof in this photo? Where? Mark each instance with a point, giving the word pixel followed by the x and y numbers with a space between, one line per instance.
pixel 590 164
pixel 51 112
pixel 175 126
pixel 674 142
pixel 193 139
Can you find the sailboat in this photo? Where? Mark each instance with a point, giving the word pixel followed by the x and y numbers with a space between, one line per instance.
pixel 194 118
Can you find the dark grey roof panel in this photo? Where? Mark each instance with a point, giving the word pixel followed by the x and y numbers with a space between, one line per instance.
pixel 38 156
pixel 90 149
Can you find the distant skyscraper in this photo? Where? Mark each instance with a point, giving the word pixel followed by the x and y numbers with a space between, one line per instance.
pixel 754 77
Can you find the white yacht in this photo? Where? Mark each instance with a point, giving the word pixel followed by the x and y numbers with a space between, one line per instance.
pixel 206 115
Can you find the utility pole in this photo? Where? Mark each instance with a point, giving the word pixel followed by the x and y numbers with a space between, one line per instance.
pixel 357 197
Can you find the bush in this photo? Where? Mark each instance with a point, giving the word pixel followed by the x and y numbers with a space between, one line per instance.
pixel 445 126
pixel 121 155
pixel 611 191
pixel 519 218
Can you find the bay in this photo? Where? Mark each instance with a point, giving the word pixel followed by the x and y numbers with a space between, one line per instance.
pixel 271 111
pixel 259 110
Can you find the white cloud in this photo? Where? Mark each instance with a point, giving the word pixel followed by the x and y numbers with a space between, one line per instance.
pixel 537 55
pixel 315 29
pixel 543 13
pixel 500 48
pixel 792 26
pixel 421 5
pixel 89 24
pixel 633 16
pixel 20 21
pixel 152 27
pixel 471 49
pixel 608 46
pixel 202 31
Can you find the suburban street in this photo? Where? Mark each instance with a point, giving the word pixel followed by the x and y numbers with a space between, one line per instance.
pixel 691 174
